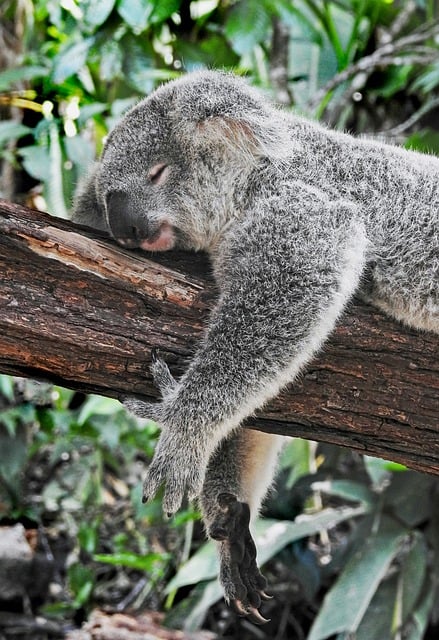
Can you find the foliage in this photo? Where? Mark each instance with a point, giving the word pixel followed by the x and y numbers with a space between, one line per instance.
pixel 384 584
pixel 78 463
pixel 363 550
pixel 367 537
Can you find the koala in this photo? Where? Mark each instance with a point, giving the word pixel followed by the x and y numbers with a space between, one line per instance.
pixel 296 220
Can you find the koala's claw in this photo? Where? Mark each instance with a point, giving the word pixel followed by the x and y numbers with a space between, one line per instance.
pixel 251 613
pixel 244 585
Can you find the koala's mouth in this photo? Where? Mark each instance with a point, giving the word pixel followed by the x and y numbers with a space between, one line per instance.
pixel 162 239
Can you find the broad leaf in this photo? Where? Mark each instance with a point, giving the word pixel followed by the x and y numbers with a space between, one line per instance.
pixel 70 59
pixel 270 536
pixel 347 489
pixel 136 12
pixel 96 11
pixel 247 25
pixel 346 603
pixel 11 130
pixel 10 77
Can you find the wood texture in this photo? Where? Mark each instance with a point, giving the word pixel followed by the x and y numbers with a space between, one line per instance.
pixel 78 310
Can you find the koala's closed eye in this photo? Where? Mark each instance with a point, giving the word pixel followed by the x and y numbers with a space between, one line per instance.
pixel 158 173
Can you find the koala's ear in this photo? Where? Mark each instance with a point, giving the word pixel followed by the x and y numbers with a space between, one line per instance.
pixel 86 207
pixel 228 131
pixel 220 109
pixel 252 135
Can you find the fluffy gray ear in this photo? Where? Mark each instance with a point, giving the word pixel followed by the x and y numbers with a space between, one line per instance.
pixel 86 207
pixel 215 108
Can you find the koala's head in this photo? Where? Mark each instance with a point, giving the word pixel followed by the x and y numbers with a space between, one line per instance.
pixel 170 168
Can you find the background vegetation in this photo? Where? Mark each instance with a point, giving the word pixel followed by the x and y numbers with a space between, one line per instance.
pixel 361 559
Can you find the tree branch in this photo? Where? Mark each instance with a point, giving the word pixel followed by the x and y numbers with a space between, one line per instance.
pixel 409 50
pixel 82 312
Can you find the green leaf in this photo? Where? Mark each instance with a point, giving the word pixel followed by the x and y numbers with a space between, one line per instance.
pixel 298 21
pixel 138 64
pixel 70 59
pixel 146 562
pixel 54 188
pixel 136 12
pixel 413 573
pixel 216 51
pixel 395 599
pixel 36 162
pixel 88 537
pixel 10 77
pixel 111 59
pixel 270 536
pixel 88 111
pixel 377 622
pixel 81 582
pixel 164 9
pixel 296 457
pixel 395 79
pixel 96 11
pixel 59 610
pixel 7 387
pixel 247 25
pixel 428 80
pixel 203 565
pixel 207 596
pixel 98 405
pixel 11 130
pixel 13 448
pixel 346 489
pixel 415 629
pixel 425 141
pixel 81 152
pixel 346 603
pixel 408 496
pixel 378 470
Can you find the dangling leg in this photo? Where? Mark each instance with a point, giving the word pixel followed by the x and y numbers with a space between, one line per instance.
pixel 238 476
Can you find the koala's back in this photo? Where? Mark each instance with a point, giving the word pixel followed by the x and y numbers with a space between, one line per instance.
pixel 397 193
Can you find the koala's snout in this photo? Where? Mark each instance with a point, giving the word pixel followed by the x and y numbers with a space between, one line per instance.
pixel 133 230
pixel 126 226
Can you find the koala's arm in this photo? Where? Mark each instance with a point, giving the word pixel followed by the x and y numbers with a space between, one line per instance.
pixel 288 271
pixel 86 208
pixel 285 278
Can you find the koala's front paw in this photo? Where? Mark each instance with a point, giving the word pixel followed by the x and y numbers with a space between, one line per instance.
pixel 177 466
pixel 243 583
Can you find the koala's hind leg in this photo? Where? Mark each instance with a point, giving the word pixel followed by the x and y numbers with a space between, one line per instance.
pixel 238 475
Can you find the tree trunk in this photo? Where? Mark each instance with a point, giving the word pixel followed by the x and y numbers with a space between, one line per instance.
pixel 80 311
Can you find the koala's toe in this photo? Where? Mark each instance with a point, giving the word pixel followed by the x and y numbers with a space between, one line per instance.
pixel 172 500
pixel 142 409
pixel 151 485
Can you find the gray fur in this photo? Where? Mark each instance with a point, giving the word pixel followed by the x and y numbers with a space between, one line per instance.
pixel 296 219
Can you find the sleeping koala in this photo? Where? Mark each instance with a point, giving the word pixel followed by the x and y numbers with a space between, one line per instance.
pixel 296 219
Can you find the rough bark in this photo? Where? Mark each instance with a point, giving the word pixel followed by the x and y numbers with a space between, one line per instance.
pixel 82 312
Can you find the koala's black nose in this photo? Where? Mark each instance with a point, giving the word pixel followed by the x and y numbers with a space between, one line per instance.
pixel 125 222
